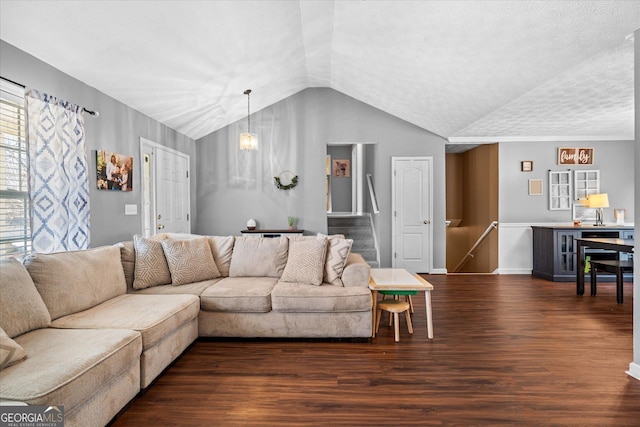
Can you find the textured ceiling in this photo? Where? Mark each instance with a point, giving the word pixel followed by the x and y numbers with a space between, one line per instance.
pixel 471 71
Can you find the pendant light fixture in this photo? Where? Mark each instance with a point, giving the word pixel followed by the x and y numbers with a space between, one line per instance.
pixel 248 140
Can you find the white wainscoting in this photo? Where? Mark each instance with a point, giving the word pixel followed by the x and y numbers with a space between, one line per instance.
pixel 515 247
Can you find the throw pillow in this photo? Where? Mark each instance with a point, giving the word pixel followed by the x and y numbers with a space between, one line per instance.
pixel 189 261
pixel 151 265
pixel 222 249
pixel 22 308
pixel 10 351
pixel 305 263
pixel 258 257
pixel 338 250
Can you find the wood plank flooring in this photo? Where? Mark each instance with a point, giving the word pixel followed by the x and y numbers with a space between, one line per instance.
pixel 508 350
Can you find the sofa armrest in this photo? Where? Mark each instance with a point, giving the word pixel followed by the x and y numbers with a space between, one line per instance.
pixel 356 271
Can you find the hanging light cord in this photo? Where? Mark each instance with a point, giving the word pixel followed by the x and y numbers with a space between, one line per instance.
pixel 248 93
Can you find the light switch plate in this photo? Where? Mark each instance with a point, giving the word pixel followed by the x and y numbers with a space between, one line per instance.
pixel 131 209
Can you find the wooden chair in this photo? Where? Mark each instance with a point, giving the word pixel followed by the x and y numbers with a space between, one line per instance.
pixel 396 307
pixel 617 267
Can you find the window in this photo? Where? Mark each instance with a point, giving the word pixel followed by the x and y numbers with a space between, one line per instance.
pixel 15 234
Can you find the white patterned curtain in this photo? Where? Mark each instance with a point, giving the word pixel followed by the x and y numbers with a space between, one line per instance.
pixel 58 174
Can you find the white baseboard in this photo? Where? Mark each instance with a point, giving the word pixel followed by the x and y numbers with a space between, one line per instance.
pixel 634 370
pixel 438 271
pixel 513 271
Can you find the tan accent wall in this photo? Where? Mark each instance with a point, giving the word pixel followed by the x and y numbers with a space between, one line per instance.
pixel 472 198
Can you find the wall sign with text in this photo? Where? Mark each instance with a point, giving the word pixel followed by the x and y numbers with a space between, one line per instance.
pixel 575 156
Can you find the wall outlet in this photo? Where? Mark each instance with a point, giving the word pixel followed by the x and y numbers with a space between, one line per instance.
pixel 131 209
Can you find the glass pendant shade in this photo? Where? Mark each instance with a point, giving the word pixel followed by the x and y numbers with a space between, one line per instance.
pixel 248 141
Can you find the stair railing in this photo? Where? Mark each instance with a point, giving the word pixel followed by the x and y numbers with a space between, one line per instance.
pixel 375 238
pixel 372 194
pixel 492 226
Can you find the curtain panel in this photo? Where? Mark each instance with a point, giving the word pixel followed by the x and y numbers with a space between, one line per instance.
pixel 58 174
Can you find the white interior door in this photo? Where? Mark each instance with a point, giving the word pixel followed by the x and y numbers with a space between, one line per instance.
pixel 166 197
pixel 412 213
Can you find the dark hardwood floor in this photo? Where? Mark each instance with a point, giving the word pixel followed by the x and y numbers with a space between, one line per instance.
pixel 508 350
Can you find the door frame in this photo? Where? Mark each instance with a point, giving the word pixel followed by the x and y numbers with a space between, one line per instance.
pixel 144 142
pixel 394 159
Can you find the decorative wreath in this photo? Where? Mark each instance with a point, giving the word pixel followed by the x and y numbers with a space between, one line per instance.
pixel 292 183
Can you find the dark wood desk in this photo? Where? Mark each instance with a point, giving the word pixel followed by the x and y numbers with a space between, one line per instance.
pixel 618 245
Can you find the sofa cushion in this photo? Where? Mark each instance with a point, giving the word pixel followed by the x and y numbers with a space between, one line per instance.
pixel 189 260
pixel 151 266
pixel 305 263
pixel 10 351
pixel 128 259
pixel 239 294
pixel 67 367
pixel 74 281
pixel 222 249
pixel 338 250
pixel 195 288
pixel 258 257
pixel 301 298
pixel 21 306
pixel 356 271
pixel 154 316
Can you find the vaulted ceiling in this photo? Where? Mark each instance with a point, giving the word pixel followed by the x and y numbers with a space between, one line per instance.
pixel 470 71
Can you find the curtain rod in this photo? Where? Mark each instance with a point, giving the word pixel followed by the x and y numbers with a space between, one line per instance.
pixel 93 113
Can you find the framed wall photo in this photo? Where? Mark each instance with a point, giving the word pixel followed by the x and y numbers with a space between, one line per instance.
pixel 114 171
pixel 526 166
pixel 535 187
pixel 583 213
pixel 342 168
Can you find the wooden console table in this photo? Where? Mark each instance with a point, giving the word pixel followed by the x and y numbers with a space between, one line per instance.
pixel 555 255
pixel 270 233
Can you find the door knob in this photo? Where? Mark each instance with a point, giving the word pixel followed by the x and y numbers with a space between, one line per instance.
pixel 160 226
pixel 426 221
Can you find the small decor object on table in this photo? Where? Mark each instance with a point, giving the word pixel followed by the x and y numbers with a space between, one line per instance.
pixel 251 224
pixel 287 180
pixel 291 220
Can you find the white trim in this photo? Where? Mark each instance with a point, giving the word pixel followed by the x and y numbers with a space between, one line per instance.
pixel 438 271
pixel 155 146
pixel 634 370
pixel 513 271
pixel 494 139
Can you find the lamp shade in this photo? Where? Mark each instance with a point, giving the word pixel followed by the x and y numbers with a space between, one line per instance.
pixel 599 200
pixel 248 141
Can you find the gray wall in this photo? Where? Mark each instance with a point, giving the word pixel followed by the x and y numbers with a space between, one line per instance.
pixel 234 186
pixel 340 186
pixel 118 129
pixel 614 159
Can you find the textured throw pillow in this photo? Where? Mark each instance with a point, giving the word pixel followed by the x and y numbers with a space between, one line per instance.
pixel 305 263
pixel 151 265
pixel 10 351
pixel 189 261
pixel 338 250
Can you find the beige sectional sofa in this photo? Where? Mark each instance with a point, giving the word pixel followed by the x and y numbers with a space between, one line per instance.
pixel 97 326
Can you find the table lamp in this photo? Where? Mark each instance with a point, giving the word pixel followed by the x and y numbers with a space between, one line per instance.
pixel 599 201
